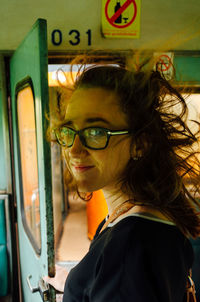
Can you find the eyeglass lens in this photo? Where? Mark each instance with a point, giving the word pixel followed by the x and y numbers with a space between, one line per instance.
pixel 95 137
pixel 91 137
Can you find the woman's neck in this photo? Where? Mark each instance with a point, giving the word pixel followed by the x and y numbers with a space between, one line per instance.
pixel 115 199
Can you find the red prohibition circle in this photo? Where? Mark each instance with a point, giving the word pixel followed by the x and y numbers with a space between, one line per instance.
pixel 129 23
pixel 166 65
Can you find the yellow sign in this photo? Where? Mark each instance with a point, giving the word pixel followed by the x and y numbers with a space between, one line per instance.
pixel 121 18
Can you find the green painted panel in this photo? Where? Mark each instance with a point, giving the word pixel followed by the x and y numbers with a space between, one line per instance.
pixel 3 174
pixel 3 252
pixel 3 271
pixel 5 171
pixel 187 69
pixel 2 223
pixel 30 61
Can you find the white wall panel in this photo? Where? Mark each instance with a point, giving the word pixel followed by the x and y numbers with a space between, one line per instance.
pixel 160 20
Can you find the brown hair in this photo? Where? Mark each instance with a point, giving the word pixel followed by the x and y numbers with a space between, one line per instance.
pixel 166 161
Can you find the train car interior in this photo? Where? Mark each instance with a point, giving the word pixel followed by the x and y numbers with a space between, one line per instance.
pixel 42 221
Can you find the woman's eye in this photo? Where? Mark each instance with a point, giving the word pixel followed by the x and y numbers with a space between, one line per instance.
pixel 66 134
pixel 66 131
pixel 96 132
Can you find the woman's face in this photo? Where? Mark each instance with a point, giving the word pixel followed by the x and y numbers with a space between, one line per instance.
pixel 96 169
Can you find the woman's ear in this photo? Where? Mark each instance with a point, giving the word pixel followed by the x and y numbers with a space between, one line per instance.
pixel 139 148
pixel 136 153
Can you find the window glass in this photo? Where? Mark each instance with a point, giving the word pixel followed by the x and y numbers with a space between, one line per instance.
pixel 29 164
pixel 193 105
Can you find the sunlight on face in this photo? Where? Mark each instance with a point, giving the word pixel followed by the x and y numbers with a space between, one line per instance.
pixel 96 169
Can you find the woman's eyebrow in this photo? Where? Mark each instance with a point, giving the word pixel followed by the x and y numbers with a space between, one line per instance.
pixel 67 123
pixel 97 119
pixel 88 121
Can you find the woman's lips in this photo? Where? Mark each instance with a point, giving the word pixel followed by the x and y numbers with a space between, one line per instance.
pixel 82 168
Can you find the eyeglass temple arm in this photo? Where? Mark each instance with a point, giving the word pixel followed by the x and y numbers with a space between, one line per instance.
pixel 118 132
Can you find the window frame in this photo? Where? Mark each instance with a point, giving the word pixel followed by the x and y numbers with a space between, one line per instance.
pixel 27 82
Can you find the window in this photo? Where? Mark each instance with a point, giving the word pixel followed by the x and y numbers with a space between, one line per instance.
pixel 29 166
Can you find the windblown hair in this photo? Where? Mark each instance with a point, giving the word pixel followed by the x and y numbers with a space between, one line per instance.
pixel 167 164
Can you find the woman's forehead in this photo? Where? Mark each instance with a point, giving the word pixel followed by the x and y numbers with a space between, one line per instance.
pixel 94 102
pixel 96 93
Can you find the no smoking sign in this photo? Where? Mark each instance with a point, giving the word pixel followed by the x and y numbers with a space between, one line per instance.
pixel 121 18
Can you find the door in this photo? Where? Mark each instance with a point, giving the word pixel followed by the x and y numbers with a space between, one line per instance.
pixel 32 163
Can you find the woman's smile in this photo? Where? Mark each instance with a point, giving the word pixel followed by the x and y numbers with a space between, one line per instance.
pixel 81 168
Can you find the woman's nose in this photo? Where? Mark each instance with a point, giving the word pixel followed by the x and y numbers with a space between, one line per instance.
pixel 77 146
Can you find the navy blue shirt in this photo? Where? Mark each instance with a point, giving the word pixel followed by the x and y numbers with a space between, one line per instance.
pixel 137 259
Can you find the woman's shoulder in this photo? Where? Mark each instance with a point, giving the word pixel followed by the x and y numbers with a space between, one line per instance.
pixel 148 232
pixel 146 225
pixel 145 240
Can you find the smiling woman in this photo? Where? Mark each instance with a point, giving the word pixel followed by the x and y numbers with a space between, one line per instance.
pixel 119 134
pixel 96 168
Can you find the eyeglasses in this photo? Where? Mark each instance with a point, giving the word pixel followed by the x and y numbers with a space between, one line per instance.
pixel 94 138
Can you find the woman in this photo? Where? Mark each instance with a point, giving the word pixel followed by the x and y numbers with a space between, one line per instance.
pixel 119 135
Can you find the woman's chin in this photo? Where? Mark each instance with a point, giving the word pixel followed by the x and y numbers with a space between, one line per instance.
pixel 87 188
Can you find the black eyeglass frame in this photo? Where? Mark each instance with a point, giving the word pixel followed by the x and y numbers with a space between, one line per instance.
pixel 109 133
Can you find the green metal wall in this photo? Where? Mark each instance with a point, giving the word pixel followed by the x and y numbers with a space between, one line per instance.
pixel 5 175
pixel 3 252
pixel 187 68
pixel 3 180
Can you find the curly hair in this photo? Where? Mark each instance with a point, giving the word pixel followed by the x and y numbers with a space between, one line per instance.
pixel 167 163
